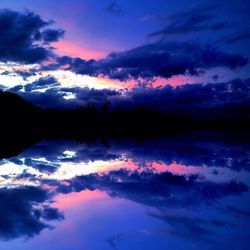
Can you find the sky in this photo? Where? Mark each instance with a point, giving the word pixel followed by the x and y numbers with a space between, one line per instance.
pixel 73 47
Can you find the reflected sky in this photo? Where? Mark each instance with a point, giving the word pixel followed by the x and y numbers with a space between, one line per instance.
pixel 165 194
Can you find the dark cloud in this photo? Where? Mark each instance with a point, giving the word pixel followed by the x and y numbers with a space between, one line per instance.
pixel 54 154
pixel 156 189
pixel 201 150
pixel 193 228
pixel 114 8
pixel 41 83
pixel 25 37
pixel 23 213
pixel 219 100
pixel 51 35
pixel 190 152
pixel 41 166
pixel 159 191
pixel 238 38
pixel 50 98
pixel 160 59
pixel 238 211
pixel 25 74
pixel 194 20
pixel 145 184
pixel 55 96
pixel 114 240
pixel 215 77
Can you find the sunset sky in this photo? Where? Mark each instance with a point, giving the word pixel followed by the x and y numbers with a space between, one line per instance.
pixel 87 45
pixel 124 124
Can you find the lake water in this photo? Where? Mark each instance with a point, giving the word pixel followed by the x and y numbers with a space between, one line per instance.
pixel 164 194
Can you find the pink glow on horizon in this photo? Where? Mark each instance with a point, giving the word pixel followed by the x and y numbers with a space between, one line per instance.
pixel 66 48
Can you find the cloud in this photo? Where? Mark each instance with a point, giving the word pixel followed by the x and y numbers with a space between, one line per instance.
pixel 193 228
pixel 194 20
pixel 155 189
pixel 25 37
pixel 160 191
pixel 23 73
pixel 41 83
pixel 188 151
pixel 114 240
pixel 237 211
pixel 227 100
pixel 51 35
pixel 23 213
pixel 43 167
pixel 145 184
pixel 220 100
pixel 114 8
pixel 160 59
pixel 206 150
pixel 55 96
pixel 238 38
pixel 54 155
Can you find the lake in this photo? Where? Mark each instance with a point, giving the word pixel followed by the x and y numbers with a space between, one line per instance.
pixel 156 194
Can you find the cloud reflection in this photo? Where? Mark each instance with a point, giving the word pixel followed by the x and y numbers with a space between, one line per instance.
pixel 170 178
pixel 24 212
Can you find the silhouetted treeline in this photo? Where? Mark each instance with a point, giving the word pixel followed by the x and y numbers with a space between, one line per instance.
pixel 20 118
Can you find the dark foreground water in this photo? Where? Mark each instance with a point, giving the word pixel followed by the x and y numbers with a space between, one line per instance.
pixel 161 194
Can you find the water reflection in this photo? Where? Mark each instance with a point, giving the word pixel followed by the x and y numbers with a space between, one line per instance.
pixel 126 195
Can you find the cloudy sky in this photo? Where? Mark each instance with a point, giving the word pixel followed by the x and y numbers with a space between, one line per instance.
pixel 54 52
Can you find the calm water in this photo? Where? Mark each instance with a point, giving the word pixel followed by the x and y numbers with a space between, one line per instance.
pixel 124 195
